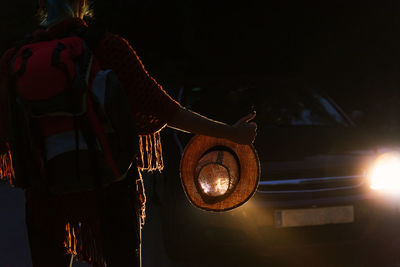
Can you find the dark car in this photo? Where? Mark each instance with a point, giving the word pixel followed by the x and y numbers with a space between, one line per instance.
pixel 317 175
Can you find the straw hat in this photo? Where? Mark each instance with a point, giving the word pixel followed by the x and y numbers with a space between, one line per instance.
pixel 218 174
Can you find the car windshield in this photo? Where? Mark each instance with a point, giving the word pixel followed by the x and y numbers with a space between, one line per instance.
pixel 299 109
pixel 274 107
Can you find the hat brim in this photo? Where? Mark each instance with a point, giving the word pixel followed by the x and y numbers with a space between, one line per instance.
pixel 249 172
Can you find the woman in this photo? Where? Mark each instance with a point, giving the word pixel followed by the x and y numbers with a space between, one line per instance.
pixel 105 233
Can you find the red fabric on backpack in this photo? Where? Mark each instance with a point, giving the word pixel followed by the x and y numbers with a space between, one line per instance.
pixel 40 79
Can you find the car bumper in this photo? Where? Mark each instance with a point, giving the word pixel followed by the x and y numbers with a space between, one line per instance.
pixel 254 224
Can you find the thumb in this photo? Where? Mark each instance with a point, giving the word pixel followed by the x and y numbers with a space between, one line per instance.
pixel 246 118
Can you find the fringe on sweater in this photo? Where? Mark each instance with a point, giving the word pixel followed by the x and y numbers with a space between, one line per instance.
pixel 150 153
pixel 81 242
pixel 150 159
pixel 6 168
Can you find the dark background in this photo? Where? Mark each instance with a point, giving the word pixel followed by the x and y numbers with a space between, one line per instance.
pixel 348 48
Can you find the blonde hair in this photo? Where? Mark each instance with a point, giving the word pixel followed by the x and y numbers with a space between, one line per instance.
pixel 58 9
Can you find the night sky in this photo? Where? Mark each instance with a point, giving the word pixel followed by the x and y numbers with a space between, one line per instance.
pixel 348 48
pixel 340 46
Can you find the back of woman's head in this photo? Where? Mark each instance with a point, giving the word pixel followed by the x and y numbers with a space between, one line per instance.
pixel 52 11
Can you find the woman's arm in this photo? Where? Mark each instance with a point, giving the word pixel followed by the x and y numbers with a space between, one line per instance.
pixel 242 132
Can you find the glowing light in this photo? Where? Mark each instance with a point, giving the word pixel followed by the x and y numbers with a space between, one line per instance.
pixel 205 187
pixel 222 185
pixel 216 173
pixel 215 187
pixel 385 175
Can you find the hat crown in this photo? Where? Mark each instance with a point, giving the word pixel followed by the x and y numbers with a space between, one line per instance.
pixel 216 174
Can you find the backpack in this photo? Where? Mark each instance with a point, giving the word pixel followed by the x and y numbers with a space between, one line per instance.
pixel 64 108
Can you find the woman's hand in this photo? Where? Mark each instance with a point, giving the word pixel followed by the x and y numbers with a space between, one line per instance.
pixel 245 131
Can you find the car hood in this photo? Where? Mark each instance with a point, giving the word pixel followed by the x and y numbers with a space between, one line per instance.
pixel 311 152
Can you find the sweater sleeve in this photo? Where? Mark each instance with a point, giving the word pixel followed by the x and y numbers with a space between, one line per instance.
pixel 150 104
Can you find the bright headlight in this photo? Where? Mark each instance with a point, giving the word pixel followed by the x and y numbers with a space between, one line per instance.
pixel 385 174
